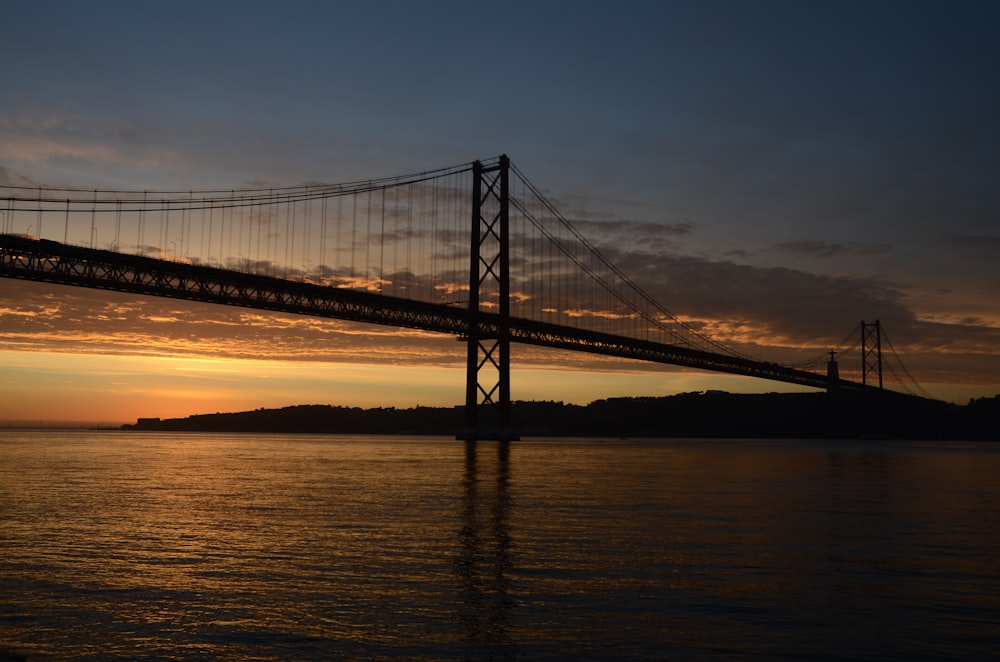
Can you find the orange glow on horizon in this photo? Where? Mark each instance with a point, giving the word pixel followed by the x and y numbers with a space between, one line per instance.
pixel 71 354
pixel 57 388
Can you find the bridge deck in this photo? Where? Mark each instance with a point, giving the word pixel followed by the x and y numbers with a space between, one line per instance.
pixel 54 262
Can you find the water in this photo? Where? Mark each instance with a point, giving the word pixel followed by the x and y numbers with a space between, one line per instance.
pixel 137 546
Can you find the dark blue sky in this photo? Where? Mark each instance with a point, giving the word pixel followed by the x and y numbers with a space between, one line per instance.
pixel 836 157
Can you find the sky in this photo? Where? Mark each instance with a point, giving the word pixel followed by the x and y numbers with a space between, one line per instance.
pixel 777 171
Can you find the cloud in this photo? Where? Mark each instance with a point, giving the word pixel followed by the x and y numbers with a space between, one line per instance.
pixel 644 235
pixel 37 150
pixel 32 123
pixel 780 302
pixel 10 177
pixel 826 249
pixel 69 319
pixel 979 247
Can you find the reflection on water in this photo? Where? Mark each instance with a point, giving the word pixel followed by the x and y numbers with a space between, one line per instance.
pixel 484 564
pixel 232 547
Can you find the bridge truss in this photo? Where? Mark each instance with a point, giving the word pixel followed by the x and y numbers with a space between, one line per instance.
pixel 54 262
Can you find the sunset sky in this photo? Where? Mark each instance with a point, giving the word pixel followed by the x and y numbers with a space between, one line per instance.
pixel 777 171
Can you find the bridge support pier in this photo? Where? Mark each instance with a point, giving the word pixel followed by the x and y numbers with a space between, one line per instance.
pixel 487 387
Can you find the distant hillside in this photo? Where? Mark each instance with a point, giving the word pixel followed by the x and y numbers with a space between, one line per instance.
pixel 709 414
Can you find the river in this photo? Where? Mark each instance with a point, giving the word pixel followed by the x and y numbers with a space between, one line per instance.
pixel 159 546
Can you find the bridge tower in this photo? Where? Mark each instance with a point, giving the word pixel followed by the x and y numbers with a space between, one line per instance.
pixel 871 351
pixel 487 386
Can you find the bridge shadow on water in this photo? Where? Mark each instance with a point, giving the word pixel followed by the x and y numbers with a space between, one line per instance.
pixel 484 562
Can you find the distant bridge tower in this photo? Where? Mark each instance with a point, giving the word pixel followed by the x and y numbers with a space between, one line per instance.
pixel 487 387
pixel 871 351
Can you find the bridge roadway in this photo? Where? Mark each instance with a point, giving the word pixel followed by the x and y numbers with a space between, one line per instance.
pixel 53 262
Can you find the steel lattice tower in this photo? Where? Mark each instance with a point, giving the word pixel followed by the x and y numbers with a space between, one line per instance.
pixel 487 387
pixel 871 351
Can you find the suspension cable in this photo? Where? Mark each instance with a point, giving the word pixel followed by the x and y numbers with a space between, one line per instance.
pixel 903 367
pixel 823 357
pixel 618 272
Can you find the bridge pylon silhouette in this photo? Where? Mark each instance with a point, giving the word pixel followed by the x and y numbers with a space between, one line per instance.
pixel 871 352
pixel 487 387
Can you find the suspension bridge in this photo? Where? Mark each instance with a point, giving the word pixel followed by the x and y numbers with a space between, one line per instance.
pixel 475 251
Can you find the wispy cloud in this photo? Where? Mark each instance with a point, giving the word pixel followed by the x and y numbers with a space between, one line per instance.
pixel 828 249
pixel 43 318
pixel 38 150
pixel 638 235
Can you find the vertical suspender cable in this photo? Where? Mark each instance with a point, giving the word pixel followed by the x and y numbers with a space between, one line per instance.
pixel 339 246
pixel 432 261
pixel 93 219
pixel 381 243
pixel 260 223
pixel 164 228
pixel 288 233
pixel 239 243
pixel 118 221
pixel 307 239
pixel 224 251
pixel 292 265
pixel 409 235
pixel 322 240
pixel 395 239
pixel 368 243
pixel 211 223
pixel 354 236
pixel 201 243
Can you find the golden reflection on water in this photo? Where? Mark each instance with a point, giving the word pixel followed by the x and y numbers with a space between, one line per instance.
pixel 295 547
pixel 484 562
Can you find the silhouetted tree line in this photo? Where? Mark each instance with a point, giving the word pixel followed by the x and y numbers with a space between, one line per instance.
pixel 700 414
